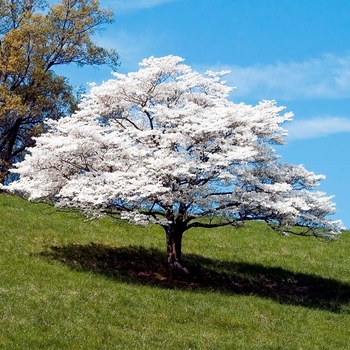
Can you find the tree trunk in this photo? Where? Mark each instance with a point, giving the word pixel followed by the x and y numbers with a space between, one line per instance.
pixel 4 171
pixel 173 242
pixel 7 150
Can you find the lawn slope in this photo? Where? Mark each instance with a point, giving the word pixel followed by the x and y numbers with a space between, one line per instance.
pixel 68 283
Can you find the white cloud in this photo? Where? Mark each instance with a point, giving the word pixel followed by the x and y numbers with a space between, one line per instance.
pixel 122 6
pixel 317 127
pixel 326 77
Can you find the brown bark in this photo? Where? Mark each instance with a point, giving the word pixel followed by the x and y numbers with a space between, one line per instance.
pixel 174 241
pixel 7 148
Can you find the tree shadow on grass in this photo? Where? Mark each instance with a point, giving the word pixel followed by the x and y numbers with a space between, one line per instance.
pixel 146 266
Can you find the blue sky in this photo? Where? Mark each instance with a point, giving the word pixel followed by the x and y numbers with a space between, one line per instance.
pixel 293 51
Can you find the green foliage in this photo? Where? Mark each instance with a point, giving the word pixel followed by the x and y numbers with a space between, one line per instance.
pixel 35 38
pixel 67 283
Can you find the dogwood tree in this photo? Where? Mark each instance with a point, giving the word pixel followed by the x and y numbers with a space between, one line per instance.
pixel 164 145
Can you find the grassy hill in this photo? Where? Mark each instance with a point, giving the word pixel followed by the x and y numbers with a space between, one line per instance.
pixel 67 283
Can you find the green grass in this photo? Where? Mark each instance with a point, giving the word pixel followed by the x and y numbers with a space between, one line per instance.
pixel 66 283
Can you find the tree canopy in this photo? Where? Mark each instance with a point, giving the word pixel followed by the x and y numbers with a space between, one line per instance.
pixel 35 38
pixel 165 145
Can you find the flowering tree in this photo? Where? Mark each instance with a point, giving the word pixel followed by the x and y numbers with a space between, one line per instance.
pixel 164 145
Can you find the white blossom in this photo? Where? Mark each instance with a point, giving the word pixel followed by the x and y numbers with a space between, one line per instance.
pixel 166 139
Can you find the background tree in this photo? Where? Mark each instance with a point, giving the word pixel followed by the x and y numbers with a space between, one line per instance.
pixel 164 145
pixel 35 38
